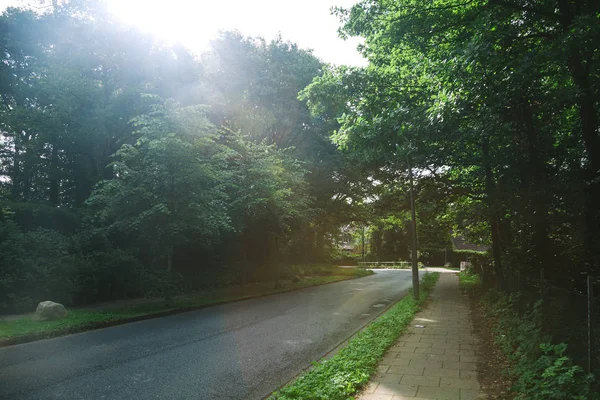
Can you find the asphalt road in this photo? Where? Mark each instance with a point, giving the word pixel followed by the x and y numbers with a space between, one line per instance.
pixel 242 350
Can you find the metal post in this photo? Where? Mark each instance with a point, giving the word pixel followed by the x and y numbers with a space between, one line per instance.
pixel 415 265
pixel 590 294
pixel 363 243
pixel 445 257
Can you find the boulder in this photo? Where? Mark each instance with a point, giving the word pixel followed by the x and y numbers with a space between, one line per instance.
pixel 296 279
pixel 50 311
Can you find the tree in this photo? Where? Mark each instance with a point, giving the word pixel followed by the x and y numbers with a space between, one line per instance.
pixel 168 187
pixel 487 96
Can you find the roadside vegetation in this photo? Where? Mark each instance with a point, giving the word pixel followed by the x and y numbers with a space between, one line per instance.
pixel 346 372
pixel 132 168
pixel 539 368
pixel 79 320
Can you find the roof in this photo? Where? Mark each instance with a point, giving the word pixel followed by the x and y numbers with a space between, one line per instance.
pixel 460 243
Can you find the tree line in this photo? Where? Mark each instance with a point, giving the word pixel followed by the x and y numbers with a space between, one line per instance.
pixel 129 167
pixel 497 105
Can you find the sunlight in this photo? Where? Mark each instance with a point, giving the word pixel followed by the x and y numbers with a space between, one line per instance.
pixel 193 24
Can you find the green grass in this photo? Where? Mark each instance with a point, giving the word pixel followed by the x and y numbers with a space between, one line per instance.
pixel 345 373
pixel 469 281
pixel 82 320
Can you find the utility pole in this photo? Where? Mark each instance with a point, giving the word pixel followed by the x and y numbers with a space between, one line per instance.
pixel 363 243
pixel 415 265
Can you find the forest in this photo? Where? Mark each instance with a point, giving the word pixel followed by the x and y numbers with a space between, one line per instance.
pixel 497 103
pixel 132 168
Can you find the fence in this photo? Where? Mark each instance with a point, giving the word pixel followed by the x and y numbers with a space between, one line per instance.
pixel 385 264
pixel 570 314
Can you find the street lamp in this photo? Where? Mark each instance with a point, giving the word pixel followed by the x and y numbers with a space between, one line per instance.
pixel 415 264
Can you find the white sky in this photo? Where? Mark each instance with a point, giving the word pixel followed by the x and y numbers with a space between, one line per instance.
pixel 193 23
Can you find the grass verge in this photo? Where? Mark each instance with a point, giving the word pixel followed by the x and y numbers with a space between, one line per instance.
pixel 469 282
pixel 26 329
pixel 345 373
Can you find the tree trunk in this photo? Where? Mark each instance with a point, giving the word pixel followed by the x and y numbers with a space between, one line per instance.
pixel 319 245
pixel 586 101
pixel 490 189
pixel 537 198
pixel 16 175
pixel 54 179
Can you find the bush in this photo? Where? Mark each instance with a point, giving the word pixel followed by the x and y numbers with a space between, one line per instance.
pixel 44 264
pixel 35 266
pixel 540 370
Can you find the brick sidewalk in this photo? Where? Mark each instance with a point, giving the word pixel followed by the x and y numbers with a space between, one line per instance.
pixel 434 362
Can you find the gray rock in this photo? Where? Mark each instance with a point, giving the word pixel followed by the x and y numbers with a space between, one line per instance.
pixel 49 311
pixel 296 279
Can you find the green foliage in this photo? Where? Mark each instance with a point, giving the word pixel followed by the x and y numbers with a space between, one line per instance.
pixel 142 170
pixel 540 370
pixel 345 373
pixel 290 271
pixel 80 320
pixel 468 280
pixel 168 186
pixel 496 105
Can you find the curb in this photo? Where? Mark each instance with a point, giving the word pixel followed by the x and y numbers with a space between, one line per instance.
pixel 344 343
pixel 34 337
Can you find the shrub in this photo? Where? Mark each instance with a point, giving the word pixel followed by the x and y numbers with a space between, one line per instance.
pixel 38 265
pixel 540 370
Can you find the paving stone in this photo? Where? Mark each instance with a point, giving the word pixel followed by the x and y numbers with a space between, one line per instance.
pixel 387 378
pixel 370 388
pixel 377 397
pixel 413 356
pixel 404 370
pixel 442 372
pixel 460 383
pixel 421 380
pixel 438 393
pixel 382 369
pixel 429 351
pixel 470 359
pixel 396 389
pixel 443 357
pixel 424 345
pixel 460 365
pixel 426 363
pixel 399 361
pixel 435 362
pixel 406 349
pixel 444 345
pixel 460 352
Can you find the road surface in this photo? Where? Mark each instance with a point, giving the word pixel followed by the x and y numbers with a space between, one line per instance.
pixel 242 350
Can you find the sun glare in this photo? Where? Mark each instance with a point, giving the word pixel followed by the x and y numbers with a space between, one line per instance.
pixel 194 23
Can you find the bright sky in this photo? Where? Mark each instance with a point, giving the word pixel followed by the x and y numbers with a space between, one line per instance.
pixel 194 22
